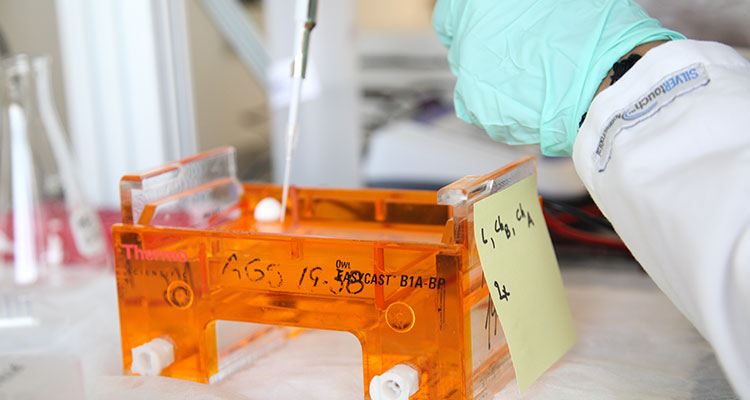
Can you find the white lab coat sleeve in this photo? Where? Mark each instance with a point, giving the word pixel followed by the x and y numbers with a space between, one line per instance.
pixel 665 154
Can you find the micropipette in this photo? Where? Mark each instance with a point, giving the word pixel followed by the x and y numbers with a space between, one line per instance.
pixel 305 18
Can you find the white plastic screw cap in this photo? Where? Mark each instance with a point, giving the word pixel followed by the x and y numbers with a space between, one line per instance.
pixel 268 210
pixel 398 383
pixel 151 358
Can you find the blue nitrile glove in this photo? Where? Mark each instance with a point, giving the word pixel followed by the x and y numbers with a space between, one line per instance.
pixel 528 69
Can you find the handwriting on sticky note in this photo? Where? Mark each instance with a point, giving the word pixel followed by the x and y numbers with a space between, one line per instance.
pixel 504 229
pixel 526 288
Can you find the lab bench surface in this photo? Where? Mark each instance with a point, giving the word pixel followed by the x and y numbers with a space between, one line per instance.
pixel 633 343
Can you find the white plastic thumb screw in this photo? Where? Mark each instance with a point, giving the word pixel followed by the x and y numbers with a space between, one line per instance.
pixel 398 383
pixel 151 358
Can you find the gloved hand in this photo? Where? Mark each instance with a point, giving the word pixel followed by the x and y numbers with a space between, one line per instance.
pixel 528 69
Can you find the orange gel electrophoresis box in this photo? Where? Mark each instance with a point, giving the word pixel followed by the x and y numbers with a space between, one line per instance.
pixel 398 269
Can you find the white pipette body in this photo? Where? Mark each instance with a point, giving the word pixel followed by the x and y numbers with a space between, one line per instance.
pixel 305 15
pixel 291 131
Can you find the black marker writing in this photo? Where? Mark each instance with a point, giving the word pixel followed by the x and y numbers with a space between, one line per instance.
pixel 504 294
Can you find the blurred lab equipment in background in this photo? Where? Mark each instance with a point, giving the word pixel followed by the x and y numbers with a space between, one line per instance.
pixel 50 235
pixel 48 230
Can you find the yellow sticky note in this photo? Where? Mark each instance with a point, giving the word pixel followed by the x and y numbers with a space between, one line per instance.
pixel 521 270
